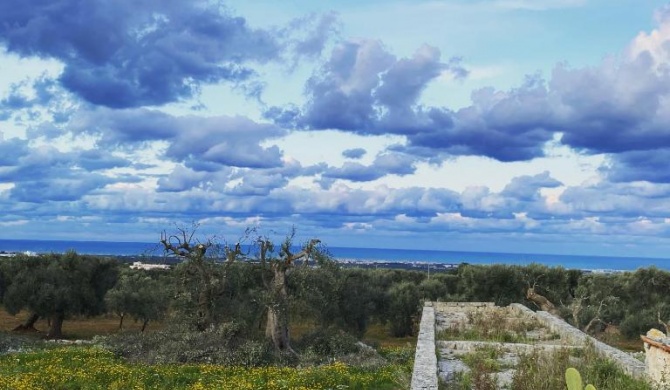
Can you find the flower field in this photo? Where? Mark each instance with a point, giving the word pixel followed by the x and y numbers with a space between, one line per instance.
pixel 95 368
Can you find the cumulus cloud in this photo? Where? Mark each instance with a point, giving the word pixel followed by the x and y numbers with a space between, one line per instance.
pixel 616 107
pixel 527 187
pixel 202 143
pixel 363 88
pixel 148 52
pixel 42 174
pixel 384 164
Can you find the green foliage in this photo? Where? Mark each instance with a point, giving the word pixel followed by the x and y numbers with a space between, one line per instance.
pixel 229 344
pixel 328 343
pixel 404 304
pixel 433 289
pixel 574 380
pixel 57 286
pixel 498 283
pixel 140 296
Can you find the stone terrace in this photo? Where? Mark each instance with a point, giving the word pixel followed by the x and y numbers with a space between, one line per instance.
pixel 439 355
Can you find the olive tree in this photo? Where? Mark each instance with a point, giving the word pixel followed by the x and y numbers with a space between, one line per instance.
pixel 276 284
pixel 139 296
pixel 205 280
pixel 58 286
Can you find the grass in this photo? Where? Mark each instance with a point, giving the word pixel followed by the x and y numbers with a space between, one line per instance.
pixel 547 371
pixel 46 365
pixel 540 370
pixel 491 325
pixel 94 368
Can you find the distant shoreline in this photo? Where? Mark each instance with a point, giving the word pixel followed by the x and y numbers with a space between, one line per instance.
pixel 347 263
pixel 365 257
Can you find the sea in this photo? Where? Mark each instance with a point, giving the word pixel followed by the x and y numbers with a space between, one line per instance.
pixel 363 255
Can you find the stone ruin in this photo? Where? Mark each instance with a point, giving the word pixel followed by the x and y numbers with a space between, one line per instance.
pixel 435 358
pixel 657 357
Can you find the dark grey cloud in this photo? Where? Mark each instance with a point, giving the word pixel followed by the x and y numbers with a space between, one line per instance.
pixel 527 188
pixel 648 165
pixel 149 52
pixel 354 153
pixel 383 165
pixel 235 181
pixel 182 179
pixel 57 189
pixel 364 89
pixel 506 126
pixel 12 150
pixel 258 183
pixel 42 174
pixel 616 107
pixel 202 143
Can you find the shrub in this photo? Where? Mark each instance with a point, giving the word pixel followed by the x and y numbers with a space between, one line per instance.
pixel 225 345
pixel 328 343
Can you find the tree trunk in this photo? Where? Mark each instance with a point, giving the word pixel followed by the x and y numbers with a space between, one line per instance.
pixel 541 301
pixel 276 328
pixel 28 325
pixel 204 313
pixel 144 325
pixel 56 328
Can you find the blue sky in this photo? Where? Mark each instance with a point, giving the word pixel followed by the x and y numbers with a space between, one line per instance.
pixel 536 126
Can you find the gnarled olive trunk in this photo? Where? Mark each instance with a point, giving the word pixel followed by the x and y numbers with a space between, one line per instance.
pixel 276 327
pixel 56 326
pixel 28 325
pixel 204 312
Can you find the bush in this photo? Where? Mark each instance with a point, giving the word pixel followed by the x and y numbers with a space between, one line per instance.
pixel 226 345
pixel 404 304
pixel 328 343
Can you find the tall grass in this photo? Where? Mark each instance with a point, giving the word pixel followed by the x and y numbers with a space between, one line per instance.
pixel 547 371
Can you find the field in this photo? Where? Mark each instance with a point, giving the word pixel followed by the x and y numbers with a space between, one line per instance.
pixel 90 367
pixel 94 368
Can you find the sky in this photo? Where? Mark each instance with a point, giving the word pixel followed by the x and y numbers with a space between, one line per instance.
pixel 523 126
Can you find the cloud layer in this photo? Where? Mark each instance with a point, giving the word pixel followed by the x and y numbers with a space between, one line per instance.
pixel 117 137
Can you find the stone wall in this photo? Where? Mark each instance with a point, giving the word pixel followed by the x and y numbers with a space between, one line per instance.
pixel 425 361
pixel 424 376
pixel 625 361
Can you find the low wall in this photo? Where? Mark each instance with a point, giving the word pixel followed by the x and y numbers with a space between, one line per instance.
pixel 424 376
pixel 572 335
